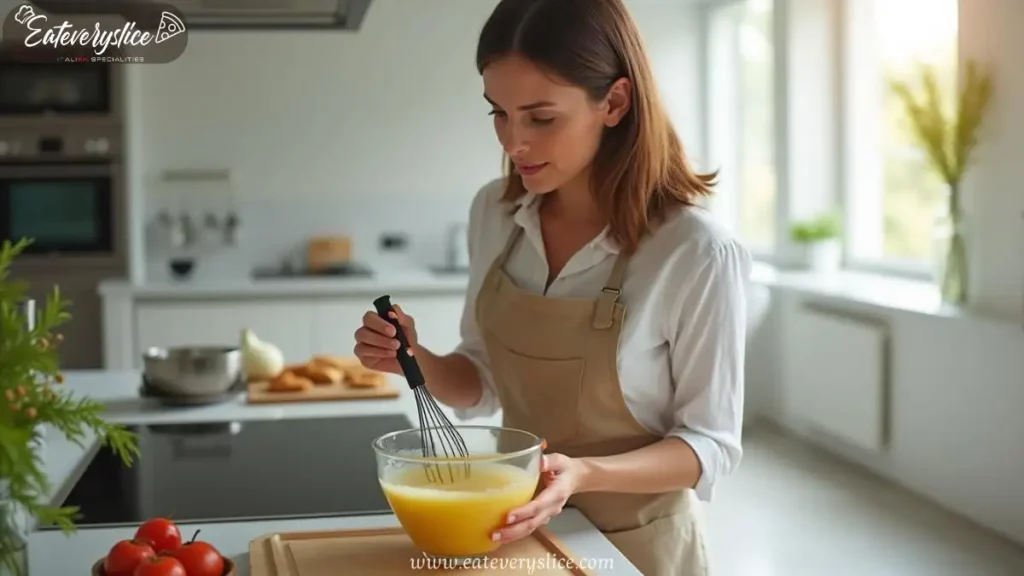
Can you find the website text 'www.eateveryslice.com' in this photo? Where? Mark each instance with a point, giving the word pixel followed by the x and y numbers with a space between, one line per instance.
pixel 530 565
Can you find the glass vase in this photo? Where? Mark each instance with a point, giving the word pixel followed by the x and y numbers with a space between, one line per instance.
pixel 13 536
pixel 951 258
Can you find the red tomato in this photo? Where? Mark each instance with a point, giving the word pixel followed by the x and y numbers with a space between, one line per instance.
pixel 161 532
pixel 160 565
pixel 125 556
pixel 199 558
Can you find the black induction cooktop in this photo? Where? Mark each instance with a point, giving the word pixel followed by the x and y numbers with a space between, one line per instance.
pixel 226 471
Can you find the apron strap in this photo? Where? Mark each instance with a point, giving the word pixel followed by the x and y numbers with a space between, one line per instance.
pixel 604 308
pixel 510 245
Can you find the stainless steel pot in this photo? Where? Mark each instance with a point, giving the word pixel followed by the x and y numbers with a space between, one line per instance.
pixel 193 371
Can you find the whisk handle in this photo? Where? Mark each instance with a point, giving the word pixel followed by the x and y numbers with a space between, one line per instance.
pixel 410 367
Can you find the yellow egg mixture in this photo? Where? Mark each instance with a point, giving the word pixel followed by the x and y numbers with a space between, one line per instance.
pixel 458 516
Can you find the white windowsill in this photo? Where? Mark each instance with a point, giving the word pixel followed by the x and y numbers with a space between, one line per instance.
pixel 888 293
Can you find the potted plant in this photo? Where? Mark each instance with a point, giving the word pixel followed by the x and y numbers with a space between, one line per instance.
pixel 819 238
pixel 31 400
pixel 949 143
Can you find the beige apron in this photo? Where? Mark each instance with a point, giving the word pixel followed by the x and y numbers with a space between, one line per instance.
pixel 554 363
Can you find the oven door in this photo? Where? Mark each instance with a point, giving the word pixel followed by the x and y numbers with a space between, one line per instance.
pixel 67 210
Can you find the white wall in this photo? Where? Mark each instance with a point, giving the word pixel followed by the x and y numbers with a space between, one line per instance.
pixel 954 394
pixel 353 133
pixel 990 32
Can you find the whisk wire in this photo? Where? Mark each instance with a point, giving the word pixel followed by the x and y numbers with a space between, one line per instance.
pixel 447 446
pixel 449 443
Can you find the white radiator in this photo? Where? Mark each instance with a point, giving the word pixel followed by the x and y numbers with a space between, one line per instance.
pixel 840 375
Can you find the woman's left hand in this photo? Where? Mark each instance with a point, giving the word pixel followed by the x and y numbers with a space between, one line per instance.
pixel 560 477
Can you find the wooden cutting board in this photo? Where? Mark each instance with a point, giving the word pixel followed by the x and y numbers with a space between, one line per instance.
pixel 390 552
pixel 259 393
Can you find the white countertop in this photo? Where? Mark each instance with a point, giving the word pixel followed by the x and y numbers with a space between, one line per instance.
pixel 873 290
pixel 53 553
pixel 412 281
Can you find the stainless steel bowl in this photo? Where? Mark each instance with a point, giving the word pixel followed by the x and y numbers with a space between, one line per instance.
pixel 193 371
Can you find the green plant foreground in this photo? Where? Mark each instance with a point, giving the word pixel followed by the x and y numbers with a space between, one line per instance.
pixel 30 395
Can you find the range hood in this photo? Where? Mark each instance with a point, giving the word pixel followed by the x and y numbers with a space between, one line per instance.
pixel 272 14
pixel 237 14
pixel 222 14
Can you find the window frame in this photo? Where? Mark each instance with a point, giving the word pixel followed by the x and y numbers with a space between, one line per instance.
pixel 909 268
pixel 727 202
pixel 840 150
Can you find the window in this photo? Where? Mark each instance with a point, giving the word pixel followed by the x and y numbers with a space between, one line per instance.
pixel 740 135
pixel 892 196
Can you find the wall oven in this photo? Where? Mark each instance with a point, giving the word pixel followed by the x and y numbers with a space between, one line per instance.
pixel 61 185
pixel 62 188
pixel 34 92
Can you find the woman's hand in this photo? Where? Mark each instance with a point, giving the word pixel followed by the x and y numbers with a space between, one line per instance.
pixel 376 342
pixel 560 477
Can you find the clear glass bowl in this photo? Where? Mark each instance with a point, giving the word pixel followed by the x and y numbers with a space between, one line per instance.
pixel 451 506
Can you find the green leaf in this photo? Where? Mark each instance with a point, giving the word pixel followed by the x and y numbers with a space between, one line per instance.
pixel 815 230
pixel 30 395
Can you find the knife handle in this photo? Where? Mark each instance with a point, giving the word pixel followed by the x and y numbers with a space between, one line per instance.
pixel 410 367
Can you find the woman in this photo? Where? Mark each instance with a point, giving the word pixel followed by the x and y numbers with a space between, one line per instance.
pixel 606 312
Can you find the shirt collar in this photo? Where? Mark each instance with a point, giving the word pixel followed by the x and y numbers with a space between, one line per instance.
pixel 528 218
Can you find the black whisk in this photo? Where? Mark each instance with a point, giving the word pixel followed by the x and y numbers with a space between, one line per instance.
pixel 439 439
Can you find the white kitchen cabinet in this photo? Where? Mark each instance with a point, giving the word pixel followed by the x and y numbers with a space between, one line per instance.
pixel 301 328
pixel 334 323
pixel 438 318
pixel 286 324
pixel 437 322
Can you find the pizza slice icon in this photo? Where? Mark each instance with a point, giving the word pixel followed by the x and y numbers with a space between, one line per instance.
pixel 170 26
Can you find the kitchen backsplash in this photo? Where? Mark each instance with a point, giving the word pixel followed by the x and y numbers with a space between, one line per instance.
pixel 272 229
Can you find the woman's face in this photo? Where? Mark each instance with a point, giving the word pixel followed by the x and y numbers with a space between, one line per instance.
pixel 549 128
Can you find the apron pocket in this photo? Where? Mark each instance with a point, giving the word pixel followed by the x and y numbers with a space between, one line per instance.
pixel 540 395
pixel 669 546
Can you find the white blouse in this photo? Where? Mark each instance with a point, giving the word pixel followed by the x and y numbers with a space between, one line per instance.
pixel 681 351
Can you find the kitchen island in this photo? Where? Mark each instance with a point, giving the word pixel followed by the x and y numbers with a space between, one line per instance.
pixel 53 553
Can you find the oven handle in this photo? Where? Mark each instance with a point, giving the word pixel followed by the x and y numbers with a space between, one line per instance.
pixel 182 450
pixel 43 171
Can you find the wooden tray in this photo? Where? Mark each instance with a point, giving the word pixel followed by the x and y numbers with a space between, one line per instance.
pixel 389 551
pixel 258 393
pixel 229 567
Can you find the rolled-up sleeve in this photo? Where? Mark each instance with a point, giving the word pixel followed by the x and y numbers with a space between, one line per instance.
pixel 472 344
pixel 707 334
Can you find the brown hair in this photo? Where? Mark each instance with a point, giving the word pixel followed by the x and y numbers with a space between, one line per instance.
pixel 640 171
